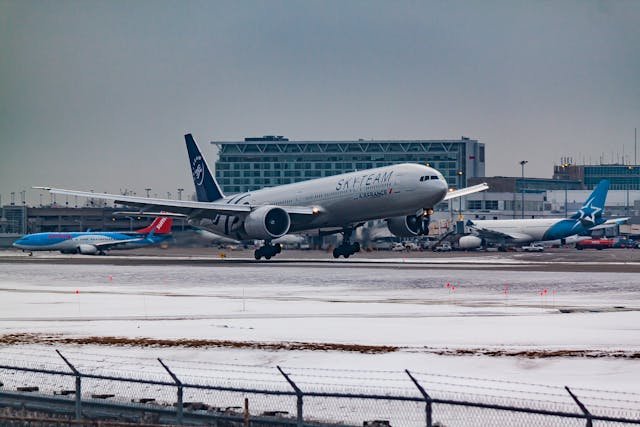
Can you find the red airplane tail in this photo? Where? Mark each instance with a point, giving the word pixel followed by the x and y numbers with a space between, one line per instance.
pixel 160 225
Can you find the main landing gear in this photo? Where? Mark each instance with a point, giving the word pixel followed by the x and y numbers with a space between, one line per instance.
pixel 268 250
pixel 346 249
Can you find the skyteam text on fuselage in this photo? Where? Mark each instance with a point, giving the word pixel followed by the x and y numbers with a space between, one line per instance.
pixel 403 194
pixel 519 231
pixel 97 242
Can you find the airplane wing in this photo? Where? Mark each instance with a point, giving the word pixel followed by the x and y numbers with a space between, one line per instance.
pixel 109 245
pixel 185 207
pixel 610 223
pixel 466 191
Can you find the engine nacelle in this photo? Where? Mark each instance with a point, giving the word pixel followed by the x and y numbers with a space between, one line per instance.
pixel 469 242
pixel 266 223
pixel 404 226
pixel 87 249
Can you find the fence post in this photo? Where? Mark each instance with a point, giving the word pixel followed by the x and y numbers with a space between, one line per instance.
pixel 179 409
pixel 299 394
pixel 78 393
pixel 427 399
pixel 583 408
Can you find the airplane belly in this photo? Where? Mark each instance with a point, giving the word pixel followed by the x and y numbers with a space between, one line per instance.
pixel 223 225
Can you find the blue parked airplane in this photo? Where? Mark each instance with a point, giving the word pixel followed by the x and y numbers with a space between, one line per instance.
pixel 97 242
pixel 520 231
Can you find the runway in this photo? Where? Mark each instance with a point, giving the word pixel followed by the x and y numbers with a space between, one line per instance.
pixel 559 260
pixel 559 317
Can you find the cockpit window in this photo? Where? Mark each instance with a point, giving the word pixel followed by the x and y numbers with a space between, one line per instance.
pixel 428 177
pixel 434 177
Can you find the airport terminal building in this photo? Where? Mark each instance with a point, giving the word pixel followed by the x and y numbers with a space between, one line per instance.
pixel 620 176
pixel 274 160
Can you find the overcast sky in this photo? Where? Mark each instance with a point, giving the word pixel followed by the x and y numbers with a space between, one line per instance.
pixel 98 94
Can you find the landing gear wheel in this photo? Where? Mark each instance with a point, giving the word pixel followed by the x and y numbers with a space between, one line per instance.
pixel 356 247
pixel 267 251
pixel 336 253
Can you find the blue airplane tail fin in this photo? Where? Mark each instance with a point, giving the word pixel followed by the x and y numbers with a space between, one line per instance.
pixel 207 189
pixel 593 208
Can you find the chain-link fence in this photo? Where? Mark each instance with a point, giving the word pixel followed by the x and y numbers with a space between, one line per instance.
pixel 240 395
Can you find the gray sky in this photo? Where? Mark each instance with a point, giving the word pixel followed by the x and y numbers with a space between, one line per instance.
pixel 98 94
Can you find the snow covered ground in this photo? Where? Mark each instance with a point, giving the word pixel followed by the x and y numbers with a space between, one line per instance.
pixel 445 324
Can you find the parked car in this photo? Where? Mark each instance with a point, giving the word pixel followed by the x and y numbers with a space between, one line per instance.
pixel 533 248
pixel 625 243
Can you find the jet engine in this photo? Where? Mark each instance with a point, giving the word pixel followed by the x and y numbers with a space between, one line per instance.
pixel 408 226
pixel 469 242
pixel 266 223
pixel 87 249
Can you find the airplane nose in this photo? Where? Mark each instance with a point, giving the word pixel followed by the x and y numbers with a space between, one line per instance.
pixel 443 187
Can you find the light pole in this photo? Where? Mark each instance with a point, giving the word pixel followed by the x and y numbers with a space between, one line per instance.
pixel 147 190
pixel 459 198
pixel 630 169
pixel 180 190
pixel 522 163
pixel 13 198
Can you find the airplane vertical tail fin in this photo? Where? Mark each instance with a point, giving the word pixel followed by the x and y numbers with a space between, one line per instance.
pixel 207 189
pixel 593 208
pixel 160 225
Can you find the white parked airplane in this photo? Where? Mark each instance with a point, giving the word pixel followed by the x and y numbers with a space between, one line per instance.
pixel 403 194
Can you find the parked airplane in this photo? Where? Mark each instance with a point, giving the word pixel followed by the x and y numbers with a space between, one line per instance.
pixel 97 242
pixel 503 232
pixel 404 194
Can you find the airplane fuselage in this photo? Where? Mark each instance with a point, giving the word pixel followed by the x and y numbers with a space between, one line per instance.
pixel 69 242
pixel 535 229
pixel 346 198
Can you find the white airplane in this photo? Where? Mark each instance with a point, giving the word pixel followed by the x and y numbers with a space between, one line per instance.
pixel 403 194
pixel 519 231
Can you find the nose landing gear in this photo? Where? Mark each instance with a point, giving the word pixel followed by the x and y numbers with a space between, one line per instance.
pixel 268 250
pixel 423 222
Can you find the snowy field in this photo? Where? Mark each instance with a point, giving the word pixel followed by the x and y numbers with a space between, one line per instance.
pixel 452 326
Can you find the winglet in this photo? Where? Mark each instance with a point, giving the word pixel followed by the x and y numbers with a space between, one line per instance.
pixel 207 189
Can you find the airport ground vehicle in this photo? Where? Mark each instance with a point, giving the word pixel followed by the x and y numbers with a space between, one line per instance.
pixel 533 248
pixel 443 247
pixel 398 247
pixel 598 244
